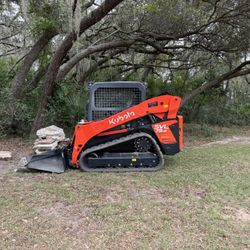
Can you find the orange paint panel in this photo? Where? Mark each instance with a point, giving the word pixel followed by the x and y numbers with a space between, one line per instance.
pixel 180 119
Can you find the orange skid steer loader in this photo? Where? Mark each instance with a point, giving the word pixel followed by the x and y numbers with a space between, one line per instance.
pixel 124 132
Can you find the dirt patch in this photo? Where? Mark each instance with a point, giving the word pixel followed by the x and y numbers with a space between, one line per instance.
pixel 153 194
pixel 19 147
pixel 112 196
pixel 239 214
pixel 234 139
pixel 188 235
pixel 70 219
pixel 243 215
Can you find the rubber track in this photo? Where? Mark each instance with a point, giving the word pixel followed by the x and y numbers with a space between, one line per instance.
pixel 122 169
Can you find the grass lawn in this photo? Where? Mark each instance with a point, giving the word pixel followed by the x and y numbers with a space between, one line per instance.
pixel 200 200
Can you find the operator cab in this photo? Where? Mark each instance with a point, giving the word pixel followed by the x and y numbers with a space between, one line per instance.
pixel 109 98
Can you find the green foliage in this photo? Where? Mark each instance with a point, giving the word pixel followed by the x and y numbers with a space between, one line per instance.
pixel 215 106
pixel 247 109
pixel 68 104
pixel 47 15
pixel 156 87
pixel 42 23
pixel 16 117
pixel 67 107
pixel 220 110
pixel 3 73
pixel 151 7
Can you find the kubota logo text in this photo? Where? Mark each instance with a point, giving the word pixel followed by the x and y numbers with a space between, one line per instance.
pixel 121 118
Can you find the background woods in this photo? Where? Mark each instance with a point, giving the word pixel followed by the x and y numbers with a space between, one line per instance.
pixel 51 49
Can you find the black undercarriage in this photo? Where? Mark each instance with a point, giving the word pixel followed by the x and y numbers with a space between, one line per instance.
pixel 127 153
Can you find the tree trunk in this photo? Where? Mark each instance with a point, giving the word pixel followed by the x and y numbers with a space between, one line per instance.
pixel 34 83
pixel 86 22
pixel 21 75
pixel 61 52
pixel 97 14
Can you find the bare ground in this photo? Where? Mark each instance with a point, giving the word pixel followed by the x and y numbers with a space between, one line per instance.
pixel 234 139
pixel 200 201
pixel 19 147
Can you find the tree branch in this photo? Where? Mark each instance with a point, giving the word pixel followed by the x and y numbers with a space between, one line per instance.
pixel 208 85
pixel 90 50
pixel 33 54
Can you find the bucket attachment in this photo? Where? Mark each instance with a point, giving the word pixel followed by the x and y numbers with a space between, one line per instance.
pixel 55 161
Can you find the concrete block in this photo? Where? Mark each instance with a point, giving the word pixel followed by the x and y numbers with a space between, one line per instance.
pixel 5 155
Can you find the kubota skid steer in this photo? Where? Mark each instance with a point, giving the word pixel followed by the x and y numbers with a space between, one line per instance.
pixel 125 132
